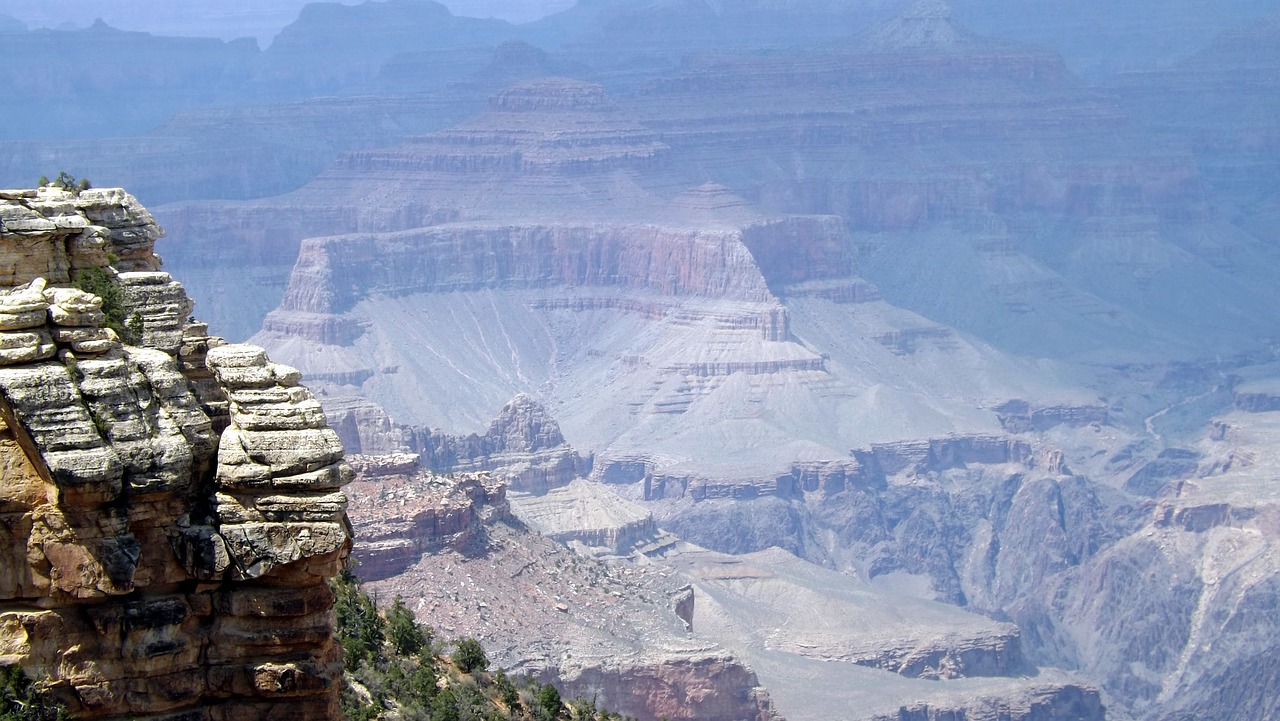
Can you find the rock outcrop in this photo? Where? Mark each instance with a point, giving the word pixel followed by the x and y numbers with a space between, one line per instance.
pixel 878 652
pixel 610 632
pixel 170 506
pixel 1262 398
pixel 523 445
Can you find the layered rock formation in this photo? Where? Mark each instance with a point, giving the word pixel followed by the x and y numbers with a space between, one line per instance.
pixel 702 352
pixel 523 445
pixel 1220 103
pixel 109 82
pixel 606 632
pixel 669 273
pixel 1100 39
pixel 327 49
pixel 589 516
pixel 979 171
pixel 170 506
pixel 930 660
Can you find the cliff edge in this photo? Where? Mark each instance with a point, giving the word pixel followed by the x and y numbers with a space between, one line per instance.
pixel 170 504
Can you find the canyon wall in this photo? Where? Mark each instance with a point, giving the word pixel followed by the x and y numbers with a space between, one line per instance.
pixel 170 505
pixel 450 546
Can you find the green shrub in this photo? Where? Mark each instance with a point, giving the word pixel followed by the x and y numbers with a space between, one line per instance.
pixel 549 703
pixel 361 630
pixel 407 636
pixel 66 181
pixel 393 672
pixel 445 706
pixel 21 700
pixel 101 284
pixel 470 656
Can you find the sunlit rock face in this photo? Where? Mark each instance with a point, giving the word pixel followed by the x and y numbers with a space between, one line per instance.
pixel 170 505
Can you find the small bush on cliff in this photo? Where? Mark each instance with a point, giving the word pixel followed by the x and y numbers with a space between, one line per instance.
pixel 21 700
pixel 361 629
pixel 98 282
pixel 549 703
pixel 66 181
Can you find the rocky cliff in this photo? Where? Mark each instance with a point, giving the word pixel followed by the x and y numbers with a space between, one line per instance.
pixel 170 505
pixel 522 446
pixel 601 631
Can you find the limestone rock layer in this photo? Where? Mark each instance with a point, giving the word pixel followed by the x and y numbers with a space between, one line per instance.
pixel 170 504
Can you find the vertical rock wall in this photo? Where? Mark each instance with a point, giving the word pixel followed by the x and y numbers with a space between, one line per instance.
pixel 170 507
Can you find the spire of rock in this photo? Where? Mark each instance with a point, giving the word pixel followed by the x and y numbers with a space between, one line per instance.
pixel 925 26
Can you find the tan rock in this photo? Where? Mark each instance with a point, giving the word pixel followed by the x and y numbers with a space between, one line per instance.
pixel 73 300
pixel 19 340
pixel 107 465
pixel 61 316
pixel 27 354
pixel 21 320
pixel 82 335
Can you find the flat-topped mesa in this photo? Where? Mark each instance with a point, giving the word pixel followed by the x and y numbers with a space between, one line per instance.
pixel 169 504
pixel 333 274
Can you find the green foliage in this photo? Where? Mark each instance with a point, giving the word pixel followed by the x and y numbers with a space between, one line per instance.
pixel 66 181
pixel 549 703
pixel 507 691
pixel 407 637
pixel 445 707
pixel 21 700
pixel 133 329
pixel 361 629
pixel 101 284
pixel 470 656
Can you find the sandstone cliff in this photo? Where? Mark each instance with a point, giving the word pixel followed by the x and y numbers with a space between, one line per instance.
pixel 170 505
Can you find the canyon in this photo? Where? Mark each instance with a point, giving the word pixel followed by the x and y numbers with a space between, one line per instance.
pixel 878 363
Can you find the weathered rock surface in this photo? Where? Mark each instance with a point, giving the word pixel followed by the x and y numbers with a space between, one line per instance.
pixel 604 631
pixel 937 191
pixel 588 514
pixel 1083 569
pixel 1100 39
pixel 1258 397
pixel 523 445
pixel 871 648
pixel 166 525
pixel 112 82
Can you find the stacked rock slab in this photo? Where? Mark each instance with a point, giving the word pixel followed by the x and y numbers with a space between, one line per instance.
pixel 170 508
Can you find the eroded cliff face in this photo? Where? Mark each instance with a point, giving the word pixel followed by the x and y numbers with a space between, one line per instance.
pixel 613 632
pixel 169 505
